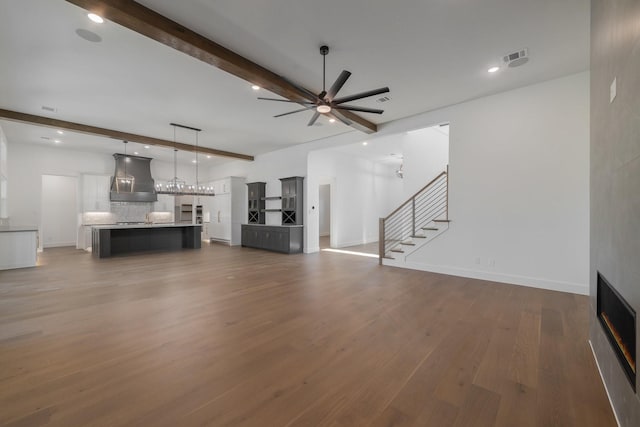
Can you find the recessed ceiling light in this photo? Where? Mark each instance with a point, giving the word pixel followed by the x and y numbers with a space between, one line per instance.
pixel 147 146
pixel 493 69
pixel 57 141
pixel 332 120
pixel 365 143
pixel 95 18
pixel 136 153
pixel 194 161
pixel 323 109
pixel 255 87
pixel 208 156
pixel 60 132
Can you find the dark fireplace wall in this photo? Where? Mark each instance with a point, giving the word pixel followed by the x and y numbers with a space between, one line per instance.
pixel 615 179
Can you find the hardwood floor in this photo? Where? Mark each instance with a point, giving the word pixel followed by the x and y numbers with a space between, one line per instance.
pixel 241 337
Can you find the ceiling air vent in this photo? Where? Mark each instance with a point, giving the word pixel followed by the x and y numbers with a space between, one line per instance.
pixel 516 59
pixel 47 108
pixel 383 99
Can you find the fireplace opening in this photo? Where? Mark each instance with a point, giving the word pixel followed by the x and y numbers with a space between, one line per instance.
pixel 618 320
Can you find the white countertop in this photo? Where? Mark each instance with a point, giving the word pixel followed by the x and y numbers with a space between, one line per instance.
pixel 126 226
pixel 17 228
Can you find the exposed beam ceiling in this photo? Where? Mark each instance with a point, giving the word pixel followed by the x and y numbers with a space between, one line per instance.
pixel 115 134
pixel 149 23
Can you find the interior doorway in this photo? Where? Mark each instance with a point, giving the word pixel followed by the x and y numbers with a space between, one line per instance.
pixel 58 224
pixel 324 215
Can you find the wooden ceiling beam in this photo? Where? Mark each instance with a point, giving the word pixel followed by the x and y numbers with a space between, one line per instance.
pixel 114 134
pixel 149 23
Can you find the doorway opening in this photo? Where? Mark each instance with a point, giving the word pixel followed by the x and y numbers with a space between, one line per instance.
pixel 324 215
pixel 58 223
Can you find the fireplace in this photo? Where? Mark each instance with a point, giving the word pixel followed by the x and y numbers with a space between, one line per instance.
pixel 618 320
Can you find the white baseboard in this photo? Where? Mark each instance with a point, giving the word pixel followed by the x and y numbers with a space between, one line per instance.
pixel 59 244
pixel 606 389
pixel 355 243
pixel 532 282
pixel 312 250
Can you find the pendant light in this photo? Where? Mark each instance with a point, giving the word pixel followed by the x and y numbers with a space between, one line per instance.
pixel 178 186
pixel 125 182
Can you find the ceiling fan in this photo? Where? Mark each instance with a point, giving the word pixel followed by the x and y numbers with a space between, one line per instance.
pixel 325 102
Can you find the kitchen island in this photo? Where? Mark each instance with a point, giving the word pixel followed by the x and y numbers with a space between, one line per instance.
pixel 112 240
pixel 18 247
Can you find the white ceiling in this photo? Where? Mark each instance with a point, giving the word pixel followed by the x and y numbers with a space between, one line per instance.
pixel 430 53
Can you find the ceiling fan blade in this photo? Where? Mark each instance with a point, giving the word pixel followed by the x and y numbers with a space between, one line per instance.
pixel 361 109
pixel 313 119
pixel 336 115
pixel 296 111
pixel 361 95
pixel 287 100
pixel 337 85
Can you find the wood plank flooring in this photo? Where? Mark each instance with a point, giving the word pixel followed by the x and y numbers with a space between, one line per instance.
pixel 240 337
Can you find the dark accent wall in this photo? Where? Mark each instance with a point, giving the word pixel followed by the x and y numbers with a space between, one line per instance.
pixel 615 179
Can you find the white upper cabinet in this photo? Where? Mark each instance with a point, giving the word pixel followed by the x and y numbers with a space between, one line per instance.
pixel 95 193
pixel 222 186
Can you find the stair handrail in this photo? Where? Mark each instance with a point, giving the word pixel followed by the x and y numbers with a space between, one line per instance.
pixel 416 194
pixel 412 200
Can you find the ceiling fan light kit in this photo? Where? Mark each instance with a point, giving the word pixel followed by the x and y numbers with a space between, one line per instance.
pixel 326 103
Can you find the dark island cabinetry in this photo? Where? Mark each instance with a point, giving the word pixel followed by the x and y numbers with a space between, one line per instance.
pixel 111 240
pixel 285 239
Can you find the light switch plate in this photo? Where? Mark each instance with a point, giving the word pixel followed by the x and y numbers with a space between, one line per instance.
pixel 613 90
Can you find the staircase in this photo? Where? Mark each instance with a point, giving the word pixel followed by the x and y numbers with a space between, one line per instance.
pixel 416 222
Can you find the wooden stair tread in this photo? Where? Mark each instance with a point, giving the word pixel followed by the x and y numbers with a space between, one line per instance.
pixel 415 236
pixel 441 220
pixel 397 250
pixel 388 257
pixel 430 228
pixel 408 244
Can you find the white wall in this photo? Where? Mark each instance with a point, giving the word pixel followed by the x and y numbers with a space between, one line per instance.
pixel 4 174
pixel 426 154
pixel 519 188
pixel 59 211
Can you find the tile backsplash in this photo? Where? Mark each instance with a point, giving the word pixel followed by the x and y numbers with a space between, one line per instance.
pixel 161 217
pixel 127 212
pixel 131 211
pixel 98 218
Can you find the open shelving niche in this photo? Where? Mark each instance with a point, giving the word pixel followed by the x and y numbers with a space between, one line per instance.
pixel 269 200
